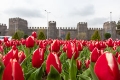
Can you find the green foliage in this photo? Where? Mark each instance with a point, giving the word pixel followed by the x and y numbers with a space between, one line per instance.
pixel 16 36
pixel 96 35
pixel 41 36
pixel 107 35
pixel 20 33
pixel 54 74
pixel 68 36
pixel 25 36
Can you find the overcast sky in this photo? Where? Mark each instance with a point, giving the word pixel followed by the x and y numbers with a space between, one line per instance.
pixel 67 13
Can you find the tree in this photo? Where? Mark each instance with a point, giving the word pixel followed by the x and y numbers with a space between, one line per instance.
pixel 68 36
pixel 81 35
pixel 41 36
pixel 107 35
pixel 16 36
pixel 41 30
pixel 20 33
pixel 96 35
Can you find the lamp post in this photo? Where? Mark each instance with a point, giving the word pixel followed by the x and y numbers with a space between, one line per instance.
pixel 110 23
pixel 47 22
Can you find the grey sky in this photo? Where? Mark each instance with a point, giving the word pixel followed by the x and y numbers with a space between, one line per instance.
pixel 67 13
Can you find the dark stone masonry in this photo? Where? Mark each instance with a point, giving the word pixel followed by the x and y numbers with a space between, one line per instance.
pixel 81 31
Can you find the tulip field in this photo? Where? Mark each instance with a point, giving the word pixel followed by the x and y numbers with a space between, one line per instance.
pixel 33 59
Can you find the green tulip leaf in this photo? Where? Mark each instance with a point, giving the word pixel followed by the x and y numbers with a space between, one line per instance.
pixel 87 72
pixel 92 71
pixel 54 74
pixel 36 75
pixel 1 69
pixel 83 77
pixel 72 69
pixel 63 57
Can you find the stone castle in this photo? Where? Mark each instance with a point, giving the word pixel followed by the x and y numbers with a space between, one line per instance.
pixel 81 31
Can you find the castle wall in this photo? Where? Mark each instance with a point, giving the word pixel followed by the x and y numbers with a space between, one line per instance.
pixel 59 32
pixel 92 30
pixel 3 29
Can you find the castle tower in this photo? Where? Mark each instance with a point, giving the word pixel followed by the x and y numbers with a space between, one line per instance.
pixel 3 29
pixel 52 30
pixel 110 27
pixel 16 24
pixel 82 28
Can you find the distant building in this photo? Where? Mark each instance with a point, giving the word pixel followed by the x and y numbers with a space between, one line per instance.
pixel 59 32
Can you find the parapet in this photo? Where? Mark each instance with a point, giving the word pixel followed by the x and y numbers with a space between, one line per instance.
pixel 95 28
pixel 1 24
pixel 37 27
pixel 17 18
pixel 108 22
pixel 67 28
pixel 82 22
pixel 52 21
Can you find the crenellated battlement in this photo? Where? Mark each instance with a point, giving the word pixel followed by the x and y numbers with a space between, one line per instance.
pixel 67 28
pixel 17 18
pixel 37 27
pixel 52 21
pixel 82 22
pixel 108 22
pixel 1 24
pixel 95 28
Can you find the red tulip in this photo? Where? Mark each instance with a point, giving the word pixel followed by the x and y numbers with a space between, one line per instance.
pixel 23 41
pixel 64 47
pixel 1 49
pixel 106 67
pixel 79 64
pixel 72 50
pixel 34 34
pixel 87 63
pixel 38 57
pixel 21 56
pixel 0 42
pixel 7 44
pixel 116 54
pixel 13 71
pixel 110 42
pixel 30 42
pixel 12 54
pixel 118 59
pixel 94 55
pixel 53 60
pixel 5 39
pixel 55 46
pixel 80 47
pixel 91 46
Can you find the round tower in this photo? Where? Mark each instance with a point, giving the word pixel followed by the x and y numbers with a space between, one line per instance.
pixel 110 27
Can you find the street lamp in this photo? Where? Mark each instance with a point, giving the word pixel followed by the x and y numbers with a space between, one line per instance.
pixel 47 21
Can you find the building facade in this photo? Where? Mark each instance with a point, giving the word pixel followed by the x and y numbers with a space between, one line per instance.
pixel 81 31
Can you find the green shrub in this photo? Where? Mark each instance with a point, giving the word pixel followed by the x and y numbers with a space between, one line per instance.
pixel 96 35
pixel 16 36
pixel 68 36
pixel 107 35
pixel 41 36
